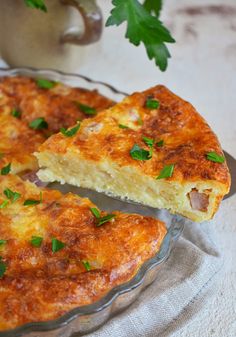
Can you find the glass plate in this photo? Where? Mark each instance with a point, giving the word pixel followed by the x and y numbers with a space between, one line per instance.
pixel 85 319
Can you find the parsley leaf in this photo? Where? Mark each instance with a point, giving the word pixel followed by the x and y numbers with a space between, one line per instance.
pixel 122 126
pixel 31 202
pixel 152 104
pixel 166 172
pixel 4 204
pixel 3 242
pixel 57 245
pixel 105 219
pixel 213 156
pixel 149 141
pixel 16 113
pixel 86 265
pixel 13 196
pixel 138 153
pixel 142 27
pixel 45 84
pixel 38 124
pixel 88 110
pixel 3 267
pixel 154 6
pixel 71 132
pixel 36 241
pixel 38 4
pixel 160 143
pixel 6 169
pixel 95 212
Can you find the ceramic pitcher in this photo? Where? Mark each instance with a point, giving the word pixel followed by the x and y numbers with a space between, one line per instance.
pixel 55 39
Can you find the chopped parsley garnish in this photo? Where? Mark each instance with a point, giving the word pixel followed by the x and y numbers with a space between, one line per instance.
pixel 45 84
pixel 4 204
pixel 103 219
pixel 13 196
pixel 122 126
pixel 166 172
pixel 36 241
pixel 213 156
pixel 138 153
pixel 31 202
pixel 6 169
pixel 88 110
pixel 95 212
pixel 160 143
pixel 3 267
pixel 70 132
pixel 38 124
pixel 57 245
pixel 3 242
pixel 143 27
pixel 86 265
pixel 16 113
pixel 152 104
pixel 149 141
pixel 38 4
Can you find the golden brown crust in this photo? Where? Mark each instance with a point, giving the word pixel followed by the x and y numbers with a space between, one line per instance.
pixel 41 285
pixel 57 106
pixel 187 138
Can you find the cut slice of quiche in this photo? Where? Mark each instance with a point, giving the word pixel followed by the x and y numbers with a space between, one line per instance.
pixel 33 109
pixel 153 148
pixel 59 252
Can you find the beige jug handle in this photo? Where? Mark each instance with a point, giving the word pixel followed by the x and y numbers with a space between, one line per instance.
pixel 92 17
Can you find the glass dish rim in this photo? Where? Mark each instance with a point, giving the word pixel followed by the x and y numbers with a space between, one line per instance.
pixel 172 235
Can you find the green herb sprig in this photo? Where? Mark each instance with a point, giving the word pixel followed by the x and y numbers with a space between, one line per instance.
pixel 103 219
pixel 38 124
pixel 138 153
pixel 3 267
pixel 166 172
pixel 6 169
pixel 45 84
pixel 213 156
pixel 86 265
pixel 70 132
pixel 143 27
pixel 13 196
pixel 38 4
pixel 57 245
pixel 36 241
pixel 86 109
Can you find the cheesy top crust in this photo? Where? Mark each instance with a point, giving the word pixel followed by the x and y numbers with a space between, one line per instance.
pixel 40 285
pixel 58 106
pixel 187 138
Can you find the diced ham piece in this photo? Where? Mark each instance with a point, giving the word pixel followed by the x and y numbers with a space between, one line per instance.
pixel 199 201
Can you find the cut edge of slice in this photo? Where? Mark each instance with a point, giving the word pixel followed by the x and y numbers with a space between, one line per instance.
pixel 196 200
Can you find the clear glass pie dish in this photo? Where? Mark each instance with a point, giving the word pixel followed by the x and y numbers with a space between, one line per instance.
pixel 85 319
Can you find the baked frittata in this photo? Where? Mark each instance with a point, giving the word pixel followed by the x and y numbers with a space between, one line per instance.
pixel 153 148
pixel 33 109
pixel 58 252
